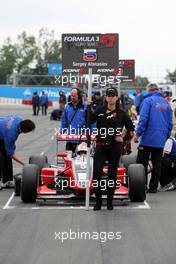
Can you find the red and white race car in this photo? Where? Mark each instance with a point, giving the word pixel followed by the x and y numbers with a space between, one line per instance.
pixel 66 180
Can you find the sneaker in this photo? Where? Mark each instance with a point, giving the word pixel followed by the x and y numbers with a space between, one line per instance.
pixel 169 187
pixel 1 184
pixel 9 184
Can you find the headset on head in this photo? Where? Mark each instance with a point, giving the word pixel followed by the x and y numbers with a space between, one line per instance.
pixel 79 92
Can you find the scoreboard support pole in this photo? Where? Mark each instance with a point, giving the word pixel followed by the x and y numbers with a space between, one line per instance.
pixel 88 139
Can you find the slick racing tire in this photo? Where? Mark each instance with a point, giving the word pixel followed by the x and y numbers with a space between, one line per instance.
pixel 136 175
pixel 40 160
pixel 56 114
pixel 17 182
pixel 30 175
pixel 127 160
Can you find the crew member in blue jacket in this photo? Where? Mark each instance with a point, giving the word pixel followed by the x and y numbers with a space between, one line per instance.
pixel 10 128
pixel 44 103
pixel 73 118
pixel 154 127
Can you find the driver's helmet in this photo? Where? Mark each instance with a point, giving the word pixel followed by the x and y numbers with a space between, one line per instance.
pixel 82 148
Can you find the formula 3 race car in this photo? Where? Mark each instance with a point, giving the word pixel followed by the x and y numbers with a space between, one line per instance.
pixel 65 182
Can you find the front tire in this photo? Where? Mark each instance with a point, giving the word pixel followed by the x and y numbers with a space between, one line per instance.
pixel 30 176
pixel 136 174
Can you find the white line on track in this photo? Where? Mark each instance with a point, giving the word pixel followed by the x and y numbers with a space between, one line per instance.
pixel 55 133
pixel 147 205
pixel 6 206
pixel 57 207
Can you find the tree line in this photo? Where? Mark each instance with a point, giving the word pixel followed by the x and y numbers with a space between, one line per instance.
pixel 29 54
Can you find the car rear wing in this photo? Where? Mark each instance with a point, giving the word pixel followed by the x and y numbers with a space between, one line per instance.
pixel 66 137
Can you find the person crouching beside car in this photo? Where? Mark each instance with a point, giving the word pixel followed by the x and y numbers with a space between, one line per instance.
pixel 10 128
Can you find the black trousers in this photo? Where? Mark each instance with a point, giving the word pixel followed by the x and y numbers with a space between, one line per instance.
pixel 44 109
pixel 155 154
pixel 111 154
pixel 36 109
pixel 6 166
pixel 137 109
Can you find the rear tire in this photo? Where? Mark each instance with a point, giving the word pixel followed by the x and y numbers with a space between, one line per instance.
pixel 56 114
pixel 40 161
pixel 127 160
pixel 136 174
pixel 30 176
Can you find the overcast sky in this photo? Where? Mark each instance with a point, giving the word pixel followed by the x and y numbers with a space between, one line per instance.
pixel 146 27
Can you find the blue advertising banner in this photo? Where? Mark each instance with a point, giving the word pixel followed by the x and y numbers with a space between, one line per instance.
pixel 9 91
pixel 54 69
